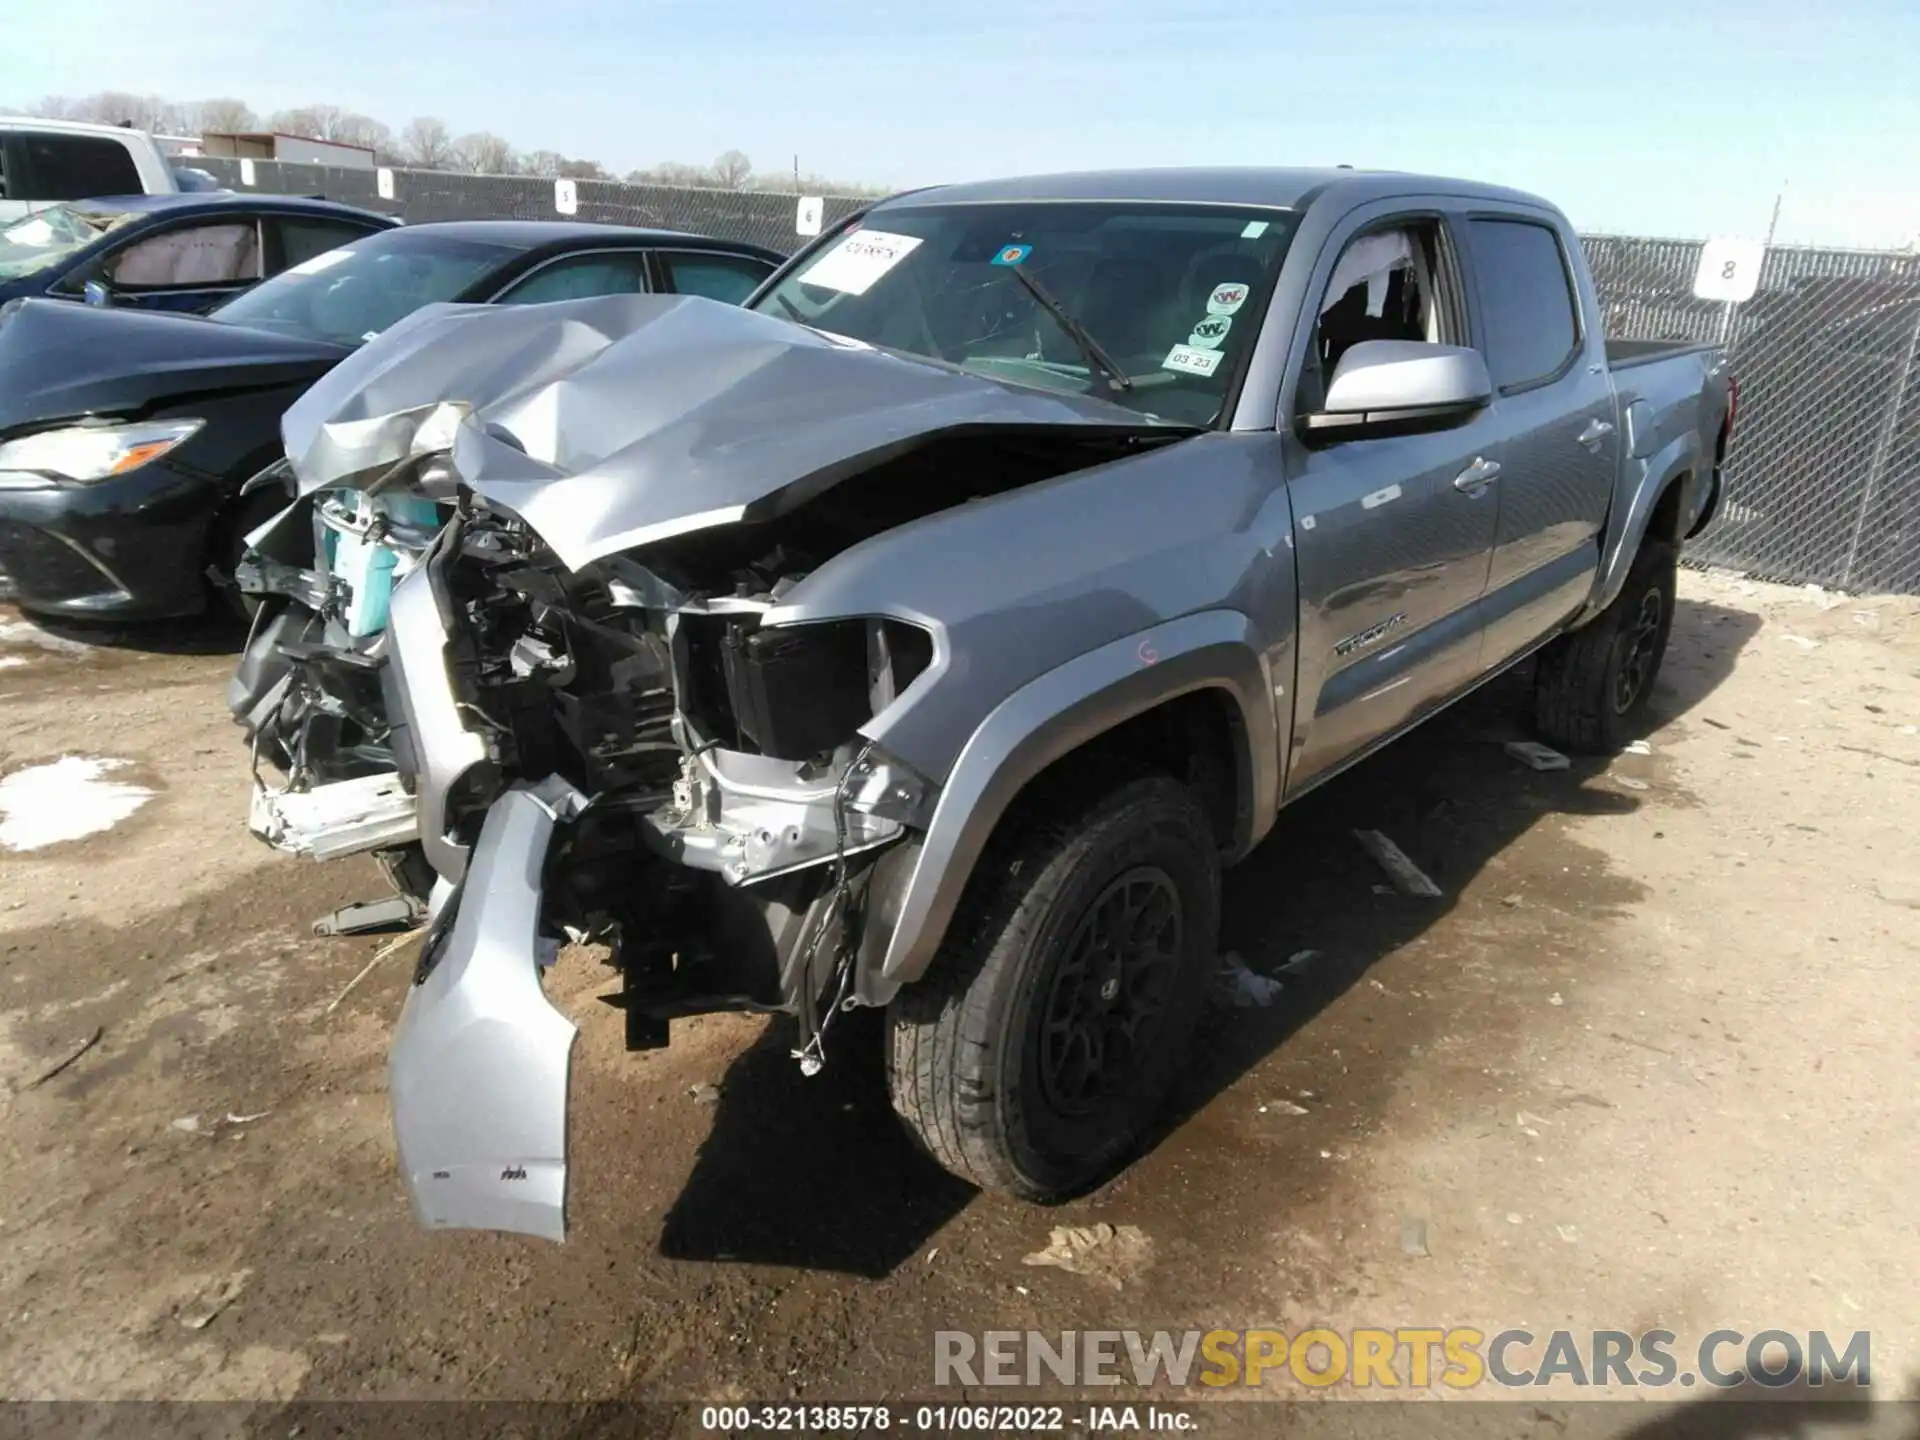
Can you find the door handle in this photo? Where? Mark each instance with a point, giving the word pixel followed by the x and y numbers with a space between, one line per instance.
pixel 1477 476
pixel 1596 431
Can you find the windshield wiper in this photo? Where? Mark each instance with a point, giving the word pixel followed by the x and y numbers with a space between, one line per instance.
pixel 1097 358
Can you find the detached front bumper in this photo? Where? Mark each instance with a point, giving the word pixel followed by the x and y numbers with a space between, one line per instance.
pixel 342 818
pixel 479 1065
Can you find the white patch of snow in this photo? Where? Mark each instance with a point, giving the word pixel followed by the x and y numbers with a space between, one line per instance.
pixel 66 800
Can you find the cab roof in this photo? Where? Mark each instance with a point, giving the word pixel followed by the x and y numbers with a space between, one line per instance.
pixel 1268 187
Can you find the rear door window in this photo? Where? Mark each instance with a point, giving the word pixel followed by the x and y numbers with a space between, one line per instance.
pixel 730 278
pixel 1527 302
pixel 71 167
pixel 294 240
pixel 578 276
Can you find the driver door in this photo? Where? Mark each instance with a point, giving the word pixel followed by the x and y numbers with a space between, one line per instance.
pixel 1393 534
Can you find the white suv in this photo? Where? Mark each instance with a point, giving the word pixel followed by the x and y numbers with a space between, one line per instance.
pixel 45 161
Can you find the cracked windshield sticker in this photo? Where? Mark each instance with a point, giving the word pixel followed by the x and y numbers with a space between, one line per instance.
pixel 1226 299
pixel 857 261
pixel 1208 334
pixel 1192 360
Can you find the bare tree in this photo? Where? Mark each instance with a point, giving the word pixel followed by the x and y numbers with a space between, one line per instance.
pixel 202 117
pixel 732 171
pixel 312 122
pixel 54 107
pixel 425 142
pixel 484 153
pixel 355 129
pixel 114 107
pixel 671 172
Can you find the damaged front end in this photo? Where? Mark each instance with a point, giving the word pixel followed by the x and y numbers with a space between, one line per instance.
pixel 640 764
pixel 616 717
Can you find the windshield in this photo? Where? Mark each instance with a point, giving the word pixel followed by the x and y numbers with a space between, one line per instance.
pixel 1168 295
pixel 351 294
pixel 32 243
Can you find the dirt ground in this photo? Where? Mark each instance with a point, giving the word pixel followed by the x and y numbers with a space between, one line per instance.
pixel 1648 1062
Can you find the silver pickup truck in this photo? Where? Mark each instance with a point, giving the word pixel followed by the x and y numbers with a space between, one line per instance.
pixel 930 632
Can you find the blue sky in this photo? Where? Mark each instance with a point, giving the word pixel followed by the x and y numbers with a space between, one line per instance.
pixel 1635 116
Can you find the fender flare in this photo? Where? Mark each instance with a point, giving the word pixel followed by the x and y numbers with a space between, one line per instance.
pixel 1055 714
pixel 1677 463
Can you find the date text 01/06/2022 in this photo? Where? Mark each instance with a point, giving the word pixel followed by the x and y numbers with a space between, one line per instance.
pixel 945 1419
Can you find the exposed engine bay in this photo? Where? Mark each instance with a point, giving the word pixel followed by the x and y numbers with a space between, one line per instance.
pixel 698 734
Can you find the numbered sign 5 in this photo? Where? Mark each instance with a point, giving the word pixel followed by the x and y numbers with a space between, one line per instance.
pixel 1729 270
pixel 566 198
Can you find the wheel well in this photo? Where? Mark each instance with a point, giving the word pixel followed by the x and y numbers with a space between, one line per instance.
pixel 1197 738
pixel 235 508
pixel 1664 523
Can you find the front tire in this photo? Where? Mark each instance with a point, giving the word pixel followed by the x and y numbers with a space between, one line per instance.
pixel 1593 685
pixel 1033 1056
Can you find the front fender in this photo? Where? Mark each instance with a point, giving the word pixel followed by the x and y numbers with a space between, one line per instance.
pixel 1057 713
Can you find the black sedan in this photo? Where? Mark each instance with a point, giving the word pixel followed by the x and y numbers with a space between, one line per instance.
pixel 125 437
pixel 170 252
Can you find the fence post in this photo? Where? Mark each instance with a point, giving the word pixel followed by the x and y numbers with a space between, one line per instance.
pixel 1883 446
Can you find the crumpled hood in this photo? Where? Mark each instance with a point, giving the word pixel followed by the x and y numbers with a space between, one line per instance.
pixel 60 359
pixel 610 422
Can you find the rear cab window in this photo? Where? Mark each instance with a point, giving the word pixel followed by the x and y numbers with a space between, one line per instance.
pixel 1529 315
pixel 70 167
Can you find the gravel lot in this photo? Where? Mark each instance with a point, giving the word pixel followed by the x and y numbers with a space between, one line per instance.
pixel 1649 1061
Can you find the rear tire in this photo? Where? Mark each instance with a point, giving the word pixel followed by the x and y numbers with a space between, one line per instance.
pixel 1592 686
pixel 1034 1054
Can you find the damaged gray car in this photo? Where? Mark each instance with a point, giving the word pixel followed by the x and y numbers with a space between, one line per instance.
pixel 930 632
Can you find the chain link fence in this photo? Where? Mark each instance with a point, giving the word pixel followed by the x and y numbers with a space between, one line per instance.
pixel 1823 481
pixel 760 217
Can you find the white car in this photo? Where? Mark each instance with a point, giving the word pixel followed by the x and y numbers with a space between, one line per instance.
pixel 43 162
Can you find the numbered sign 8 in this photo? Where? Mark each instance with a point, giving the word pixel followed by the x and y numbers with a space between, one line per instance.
pixel 1729 270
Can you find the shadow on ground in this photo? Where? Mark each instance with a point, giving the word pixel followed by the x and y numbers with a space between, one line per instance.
pixel 817 1174
pixel 218 632
pixel 813 1173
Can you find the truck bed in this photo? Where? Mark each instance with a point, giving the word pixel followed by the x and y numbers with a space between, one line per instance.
pixel 1625 354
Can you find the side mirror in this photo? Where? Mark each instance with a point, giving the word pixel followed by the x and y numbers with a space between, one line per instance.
pixel 97 292
pixel 1397 386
